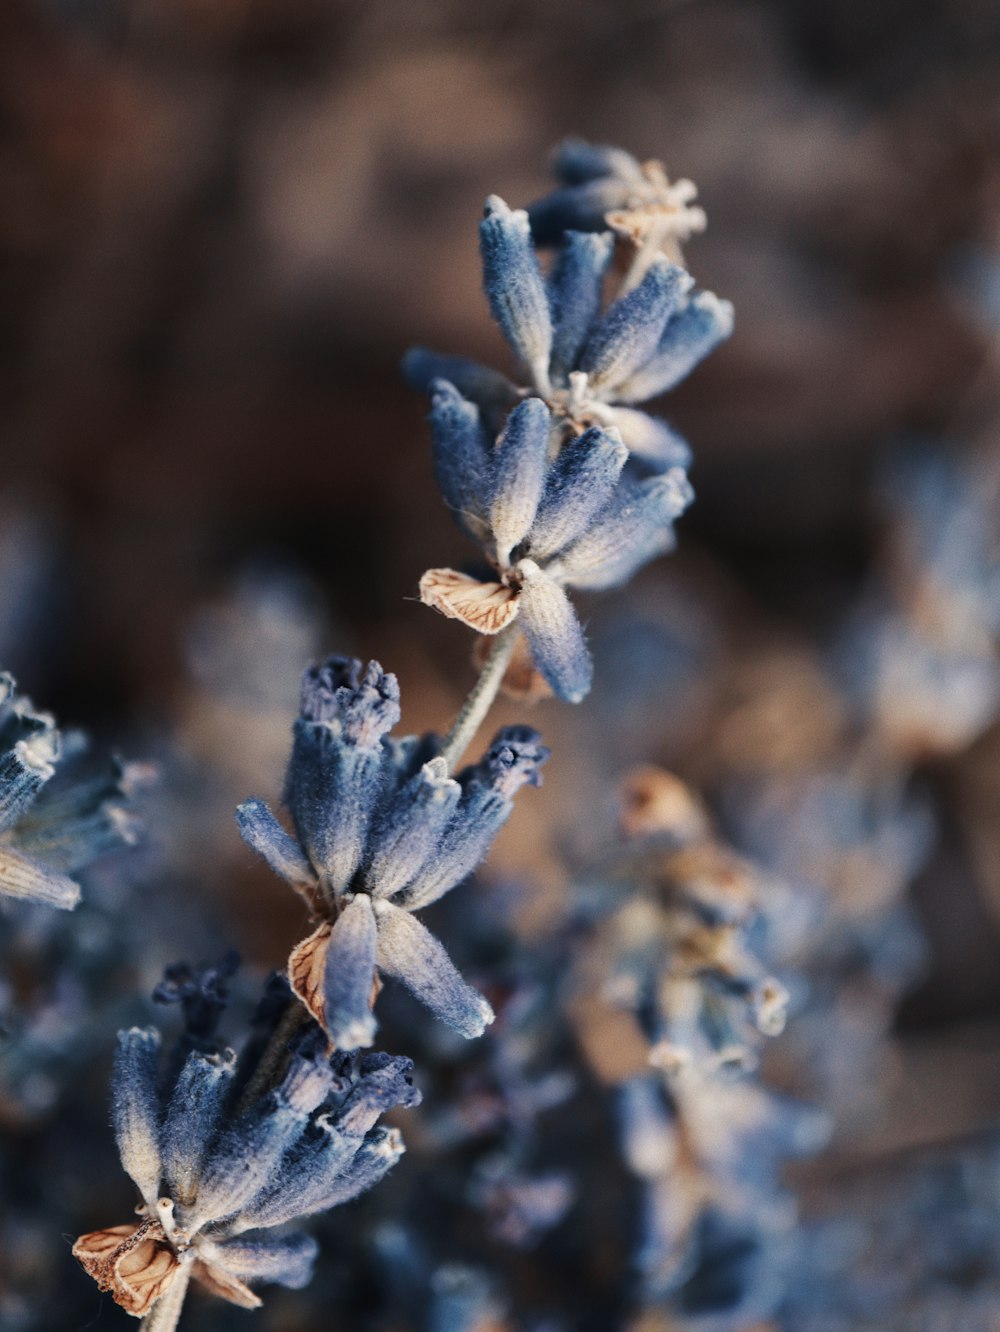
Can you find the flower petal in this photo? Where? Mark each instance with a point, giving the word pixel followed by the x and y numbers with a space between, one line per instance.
pixel 261 830
pixel 219 1282
pixel 24 770
pixel 580 482
pixel 411 828
pixel 307 969
pixel 687 339
pixel 22 877
pixel 285 1259
pixel 485 607
pixel 650 439
pixel 514 287
pixel 488 388
pixel 463 465
pixel 636 526
pixel 554 634
pixel 629 333
pixel 191 1119
pixel 521 457
pixel 349 976
pixel 575 295
pixel 135 1108
pixel 411 953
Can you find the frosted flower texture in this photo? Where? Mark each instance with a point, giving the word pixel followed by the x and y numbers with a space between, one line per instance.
pixel 590 365
pixel 381 830
pixel 54 821
pixel 219 1167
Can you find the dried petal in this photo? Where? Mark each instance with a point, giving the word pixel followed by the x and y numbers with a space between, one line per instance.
pixel 485 607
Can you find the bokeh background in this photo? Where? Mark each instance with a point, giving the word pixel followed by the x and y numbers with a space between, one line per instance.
pixel 222 222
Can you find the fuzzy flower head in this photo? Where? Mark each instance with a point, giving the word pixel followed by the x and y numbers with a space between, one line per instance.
pixel 591 364
pixel 54 819
pixel 545 521
pixel 218 1165
pixel 381 830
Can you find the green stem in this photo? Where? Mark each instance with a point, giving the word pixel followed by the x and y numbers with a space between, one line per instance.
pixel 480 700
pixel 166 1312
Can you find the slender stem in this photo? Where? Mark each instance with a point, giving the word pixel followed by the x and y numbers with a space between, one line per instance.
pixel 480 700
pixel 166 1312
pixel 275 1053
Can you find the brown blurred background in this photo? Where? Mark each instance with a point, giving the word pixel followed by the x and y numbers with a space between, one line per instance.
pixel 223 221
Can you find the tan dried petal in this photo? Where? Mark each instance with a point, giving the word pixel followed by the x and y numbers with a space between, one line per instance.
pixel 306 969
pixel 655 801
pixel 134 1263
pixel 225 1285
pixel 485 607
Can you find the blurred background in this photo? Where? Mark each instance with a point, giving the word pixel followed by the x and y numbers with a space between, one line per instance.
pixel 222 222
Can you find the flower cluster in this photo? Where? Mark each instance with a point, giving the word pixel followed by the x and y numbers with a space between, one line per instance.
pixel 220 1161
pixel 381 830
pixel 54 818
pixel 673 958
pixel 550 475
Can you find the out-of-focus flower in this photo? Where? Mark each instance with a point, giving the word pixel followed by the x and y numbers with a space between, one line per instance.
pixel 601 186
pixel 676 953
pixel 591 366
pixel 219 1162
pixel 545 523
pixel 54 819
pixel 381 831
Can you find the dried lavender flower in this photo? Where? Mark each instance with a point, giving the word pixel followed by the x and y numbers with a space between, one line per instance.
pixel 219 1163
pixel 381 830
pixel 54 819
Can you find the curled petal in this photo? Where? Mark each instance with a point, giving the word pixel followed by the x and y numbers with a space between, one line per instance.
pixel 409 952
pixel 228 1287
pixel 554 634
pixel 485 607
pixel 307 969
pixel 134 1263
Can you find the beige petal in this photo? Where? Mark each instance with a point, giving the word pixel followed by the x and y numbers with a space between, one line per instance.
pixel 485 607
pixel 133 1262
pixel 306 968
pixel 143 1274
pixel 95 1251
pixel 225 1285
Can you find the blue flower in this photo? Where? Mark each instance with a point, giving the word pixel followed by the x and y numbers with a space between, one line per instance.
pixel 545 521
pixel 381 830
pixel 590 366
pixel 54 819
pixel 218 1165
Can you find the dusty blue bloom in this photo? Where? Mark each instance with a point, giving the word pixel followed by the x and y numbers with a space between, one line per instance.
pixel 55 818
pixel 545 522
pixel 592 366
pixel 219 1163
pixel 381 830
